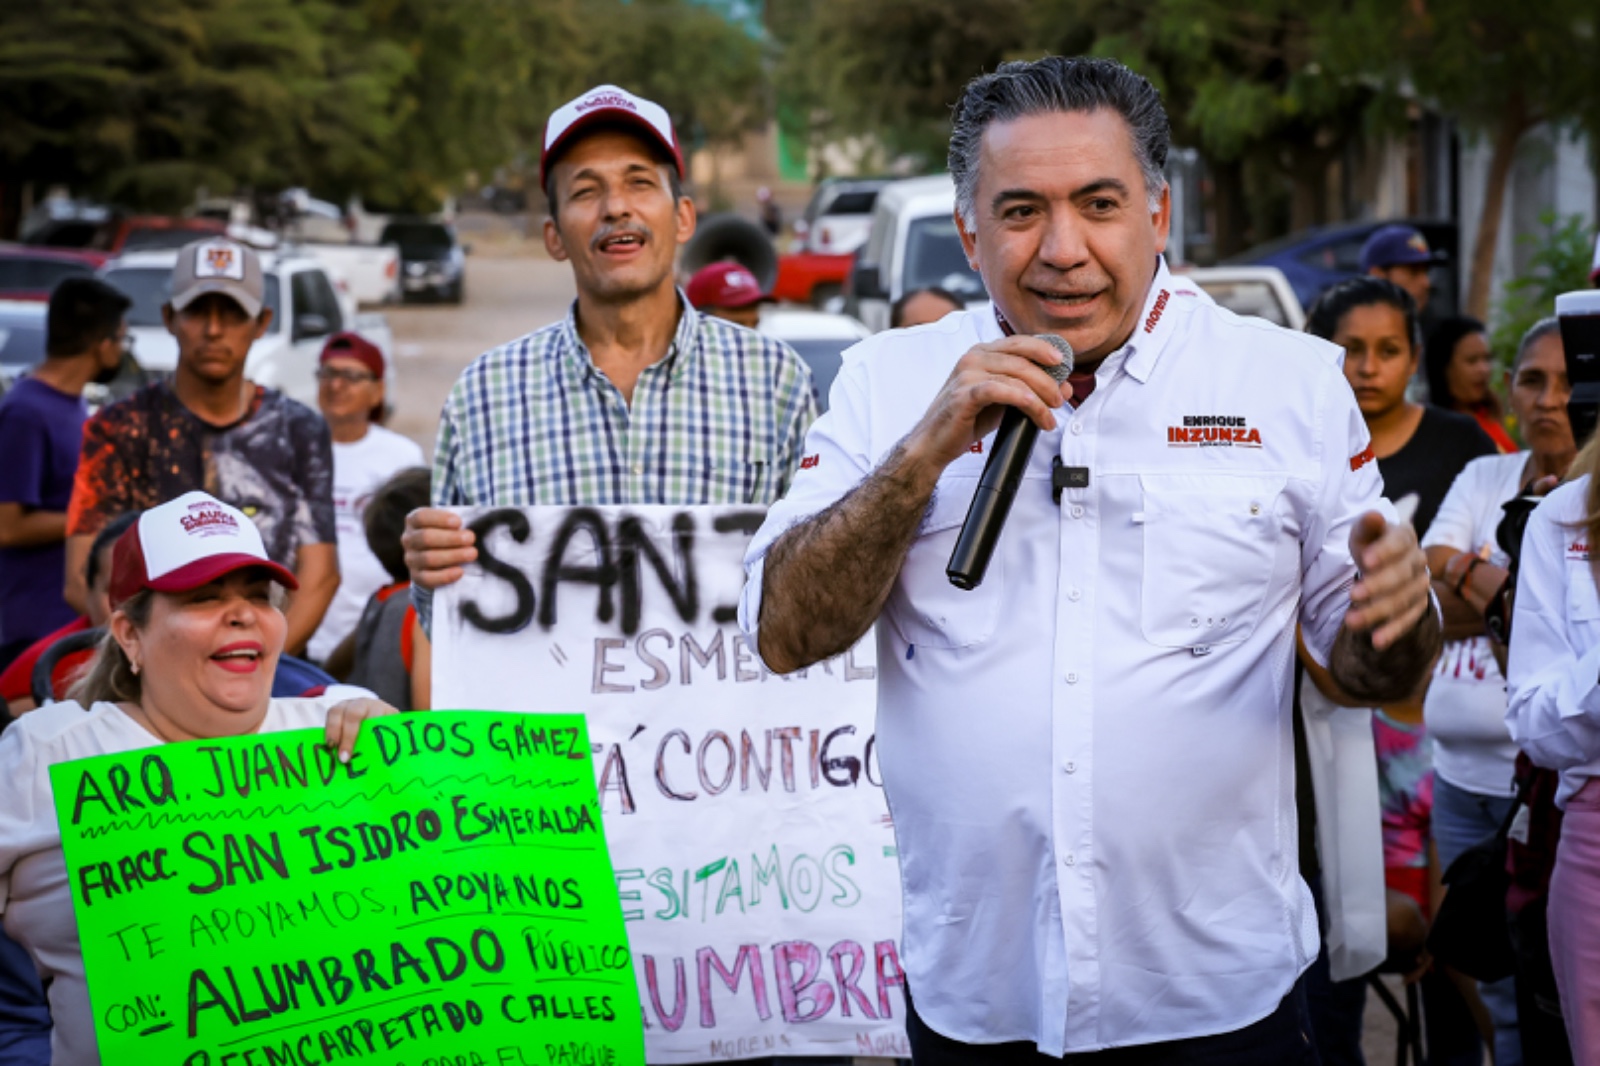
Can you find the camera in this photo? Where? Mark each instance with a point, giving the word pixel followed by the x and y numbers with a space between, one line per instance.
pixel 1579 313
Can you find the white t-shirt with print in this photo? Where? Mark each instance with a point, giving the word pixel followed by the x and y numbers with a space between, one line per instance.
pixel 1465 709
pixel 358 468
pixel 35 896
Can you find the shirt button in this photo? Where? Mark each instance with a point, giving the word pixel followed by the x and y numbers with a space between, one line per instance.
pixel 1070 860
pixel 1194 622
pixel 1077 510
pixel 638 468
pixel 1074 595
pixel 1072 679
pixel 1071 767
pixel 1077 428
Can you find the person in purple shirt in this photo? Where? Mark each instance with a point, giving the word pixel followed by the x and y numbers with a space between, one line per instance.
pixel 41 433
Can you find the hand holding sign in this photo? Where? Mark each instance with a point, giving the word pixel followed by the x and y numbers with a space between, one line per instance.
pixel 445 890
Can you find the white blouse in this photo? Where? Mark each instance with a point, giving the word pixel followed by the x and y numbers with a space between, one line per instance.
pixel 35 896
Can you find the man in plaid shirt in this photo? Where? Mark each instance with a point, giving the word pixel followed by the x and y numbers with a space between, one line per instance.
pixel 633 398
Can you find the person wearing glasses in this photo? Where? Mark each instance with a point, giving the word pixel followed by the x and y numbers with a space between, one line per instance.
pixel 41 424
pixel 210 428
pixel 350 394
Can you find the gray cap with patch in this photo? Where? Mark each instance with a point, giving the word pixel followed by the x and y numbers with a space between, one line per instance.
pixel 217 264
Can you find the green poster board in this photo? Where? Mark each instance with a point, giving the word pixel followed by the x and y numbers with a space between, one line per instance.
pixel 445 898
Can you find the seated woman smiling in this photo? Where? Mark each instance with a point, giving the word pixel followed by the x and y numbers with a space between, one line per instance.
pixel 193 640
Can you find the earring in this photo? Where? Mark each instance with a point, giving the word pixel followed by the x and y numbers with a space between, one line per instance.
pixel 134 667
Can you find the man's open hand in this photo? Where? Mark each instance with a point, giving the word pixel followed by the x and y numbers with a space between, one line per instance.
pixel 1392 592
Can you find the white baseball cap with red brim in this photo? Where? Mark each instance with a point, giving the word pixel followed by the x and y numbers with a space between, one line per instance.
pixel 186 543
pixel 608 105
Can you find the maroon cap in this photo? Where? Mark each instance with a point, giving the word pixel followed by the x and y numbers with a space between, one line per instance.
pixel 349 345
pixel 186 543
pixel 607 104
pixel 724 285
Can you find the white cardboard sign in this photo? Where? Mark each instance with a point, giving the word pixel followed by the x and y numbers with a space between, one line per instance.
pixel 744 811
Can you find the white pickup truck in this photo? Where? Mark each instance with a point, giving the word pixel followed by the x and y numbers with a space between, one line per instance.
pixel 370 273
pixel 307 308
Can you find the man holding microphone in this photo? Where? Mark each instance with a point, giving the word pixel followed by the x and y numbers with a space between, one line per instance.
pixel 1089 755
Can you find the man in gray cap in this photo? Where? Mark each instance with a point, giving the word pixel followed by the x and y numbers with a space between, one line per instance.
pixel 209 428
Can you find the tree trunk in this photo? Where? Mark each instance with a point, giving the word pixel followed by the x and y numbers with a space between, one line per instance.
pixel 1228 207
pixel 1514 122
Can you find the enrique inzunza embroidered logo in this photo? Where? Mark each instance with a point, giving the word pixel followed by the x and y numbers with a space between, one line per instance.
pixel 205 519
pixel 1579 549
pixel 1213 431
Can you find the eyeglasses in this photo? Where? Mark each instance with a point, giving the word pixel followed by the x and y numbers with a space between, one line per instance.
pixel 328 374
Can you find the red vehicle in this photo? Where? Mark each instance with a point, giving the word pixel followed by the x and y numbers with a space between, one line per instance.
pixel 810 277
pixel 125 233
pixel 29 272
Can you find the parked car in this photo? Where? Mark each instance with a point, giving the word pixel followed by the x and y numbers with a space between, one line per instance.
pixel 913 244
pixel 22 337
pixel 432 260
pixel 116 234
pixel 306 310
pixel 23 332
pixel 819 337
pixel 1315 259
pixel 839 216
pixel 28 273
pixel 370 273
pixel 1259 291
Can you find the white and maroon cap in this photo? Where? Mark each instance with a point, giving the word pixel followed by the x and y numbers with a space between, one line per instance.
pixel 186 543
pixel 607 104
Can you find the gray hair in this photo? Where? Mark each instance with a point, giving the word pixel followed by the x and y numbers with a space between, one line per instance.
pixel 1057 83
pixel 1536 333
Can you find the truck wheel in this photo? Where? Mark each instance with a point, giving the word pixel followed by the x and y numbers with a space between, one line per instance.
pixel 822 292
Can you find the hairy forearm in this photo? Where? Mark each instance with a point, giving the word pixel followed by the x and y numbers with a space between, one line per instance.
pixel 1388 675
pixel 826 579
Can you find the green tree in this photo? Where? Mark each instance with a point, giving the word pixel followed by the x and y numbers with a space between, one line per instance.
pixel 146 102
pixel 1499 69
pixel 1559 263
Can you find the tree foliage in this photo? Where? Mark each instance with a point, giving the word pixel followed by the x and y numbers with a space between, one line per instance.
pixel 395 99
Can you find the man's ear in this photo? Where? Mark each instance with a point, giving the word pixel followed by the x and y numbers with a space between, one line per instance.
pixel 552 240
pixel 168 315
pixel 969 239
pixel 687 219
pixel 1162 218
pixel 263 322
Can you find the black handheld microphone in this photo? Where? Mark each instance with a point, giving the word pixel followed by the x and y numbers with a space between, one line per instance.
pixel 1013 443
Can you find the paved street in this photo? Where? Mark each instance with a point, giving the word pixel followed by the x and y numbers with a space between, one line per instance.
pixel 510 291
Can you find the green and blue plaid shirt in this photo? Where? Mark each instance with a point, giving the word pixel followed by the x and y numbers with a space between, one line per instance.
pixel 720 419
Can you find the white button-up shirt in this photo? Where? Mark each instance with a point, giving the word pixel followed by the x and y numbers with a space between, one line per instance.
pixel 1553 674
pixel 1089 758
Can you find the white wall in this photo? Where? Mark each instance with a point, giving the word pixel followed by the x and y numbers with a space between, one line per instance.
pixel 1552 172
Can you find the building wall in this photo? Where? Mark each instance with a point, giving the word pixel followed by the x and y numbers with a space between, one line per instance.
pixel 1552 173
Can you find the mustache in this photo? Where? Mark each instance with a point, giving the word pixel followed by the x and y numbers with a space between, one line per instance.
pixel 637 229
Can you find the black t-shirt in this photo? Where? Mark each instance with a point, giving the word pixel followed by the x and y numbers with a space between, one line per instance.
pixel 1428 463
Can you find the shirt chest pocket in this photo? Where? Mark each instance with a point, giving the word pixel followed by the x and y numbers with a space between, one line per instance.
pixel 1210 550
pixel 923 607
pixel 1583 604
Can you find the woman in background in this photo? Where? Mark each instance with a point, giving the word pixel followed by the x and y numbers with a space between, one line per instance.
pixel 1460 367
